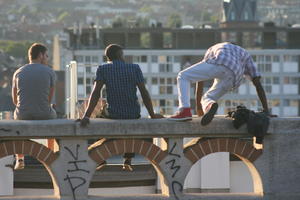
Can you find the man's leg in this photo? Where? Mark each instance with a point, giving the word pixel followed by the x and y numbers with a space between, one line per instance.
pixel 20 162
pixel 222 84
pixel 52 143
pixel 198 72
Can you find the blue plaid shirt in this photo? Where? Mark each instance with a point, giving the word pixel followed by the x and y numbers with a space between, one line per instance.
pixel 121 81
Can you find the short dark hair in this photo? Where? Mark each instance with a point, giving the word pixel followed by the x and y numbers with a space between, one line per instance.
pixel 35 50
pixel 112 51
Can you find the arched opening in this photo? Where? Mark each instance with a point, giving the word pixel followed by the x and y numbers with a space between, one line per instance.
pixel 223 166
pixel 111 179
pixel 36 178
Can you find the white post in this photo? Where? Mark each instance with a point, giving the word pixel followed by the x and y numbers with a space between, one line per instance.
pixel 71 89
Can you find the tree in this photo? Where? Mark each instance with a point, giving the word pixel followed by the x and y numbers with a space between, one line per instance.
pixel 174 21
pixel 17 49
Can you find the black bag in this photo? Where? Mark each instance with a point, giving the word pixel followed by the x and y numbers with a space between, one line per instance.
pixel 257 122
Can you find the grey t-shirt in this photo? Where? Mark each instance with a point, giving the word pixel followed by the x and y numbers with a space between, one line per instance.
pixel 33 83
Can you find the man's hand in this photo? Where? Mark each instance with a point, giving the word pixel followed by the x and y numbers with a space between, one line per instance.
pixel 157 116
pixel 84 121
pixel 200 112
pixel 271 115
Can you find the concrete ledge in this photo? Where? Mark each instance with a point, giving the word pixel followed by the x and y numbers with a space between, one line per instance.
pixel 62 128
pixel 200 196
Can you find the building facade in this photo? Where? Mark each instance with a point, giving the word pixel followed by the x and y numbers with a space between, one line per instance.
pixel 279 66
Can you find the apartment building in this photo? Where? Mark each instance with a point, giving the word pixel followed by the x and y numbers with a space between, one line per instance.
pixel 277 61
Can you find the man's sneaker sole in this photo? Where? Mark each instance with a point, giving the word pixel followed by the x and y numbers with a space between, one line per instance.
pixel 207 118
pixel 180 119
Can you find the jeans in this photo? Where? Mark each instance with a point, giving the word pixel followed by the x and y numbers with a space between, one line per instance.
pixel 223 82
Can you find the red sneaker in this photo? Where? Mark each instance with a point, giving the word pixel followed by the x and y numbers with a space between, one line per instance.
pixel 183 115
pixel 209 114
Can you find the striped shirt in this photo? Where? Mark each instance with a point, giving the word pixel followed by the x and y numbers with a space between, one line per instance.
pixel 235 58
pixel 121 81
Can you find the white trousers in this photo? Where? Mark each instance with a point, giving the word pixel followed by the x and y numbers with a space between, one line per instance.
pixel 223 82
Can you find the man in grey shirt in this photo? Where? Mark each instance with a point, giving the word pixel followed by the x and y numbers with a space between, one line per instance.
pixel 33 89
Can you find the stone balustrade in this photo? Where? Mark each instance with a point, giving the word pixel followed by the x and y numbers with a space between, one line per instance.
pixel 274 169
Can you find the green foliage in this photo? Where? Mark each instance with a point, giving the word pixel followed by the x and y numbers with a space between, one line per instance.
pixel 145 40
pixel 174 21
pixel 62 16
pixel 17 49
pixel 146 9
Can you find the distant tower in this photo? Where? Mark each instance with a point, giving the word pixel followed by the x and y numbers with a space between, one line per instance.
pixel 56 53
pixel 241 13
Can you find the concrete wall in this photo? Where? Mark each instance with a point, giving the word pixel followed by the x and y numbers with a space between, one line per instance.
pixel 274 169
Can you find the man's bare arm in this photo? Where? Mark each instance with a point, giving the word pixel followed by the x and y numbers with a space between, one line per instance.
pixel 147 101
pixel 51 93
pixel 198 94
pixel 94 98
pixel 261 93
pixel 14 95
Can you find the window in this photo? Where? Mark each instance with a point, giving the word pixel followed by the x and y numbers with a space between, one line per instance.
pixel 88 59
pixel 155 103
pixel 128 59
pixel 88 80
pixel 177 59
pixel 286 102
pixel 261 58
pixel 162 102
pixel 166 86
pixel 95 59
pixel 275 58
pixel 275 80
pixel 295 58
pixel 143 59
pixel 162 59
pixel 154 81
pixel 154 59
pixel 135 59
pixel 287 58
pixel 88 69
pixel 79 59
pixel 169 89
pixel 88 89
pixel 268 88
pixel 291 80
pixel 80 81
pixel 232 16
pixel 246 16
pixel 268 67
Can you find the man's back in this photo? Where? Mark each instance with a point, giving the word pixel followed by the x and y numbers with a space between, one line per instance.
pixel 121 81
pixel 33 83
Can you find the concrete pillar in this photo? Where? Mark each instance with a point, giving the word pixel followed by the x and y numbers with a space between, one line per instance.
pixel 6 176
pixel 73 169
pixel 175 168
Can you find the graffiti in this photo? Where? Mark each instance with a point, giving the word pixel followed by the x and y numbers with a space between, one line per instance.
pixel 8 130
pixel 69 179
pixel 75 168
pixel 172 167
pixel 76 161
pixel 175 168
pixel 174 183
pixel 5 130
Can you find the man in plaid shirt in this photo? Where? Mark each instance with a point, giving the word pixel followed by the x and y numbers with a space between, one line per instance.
pixel 227 64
